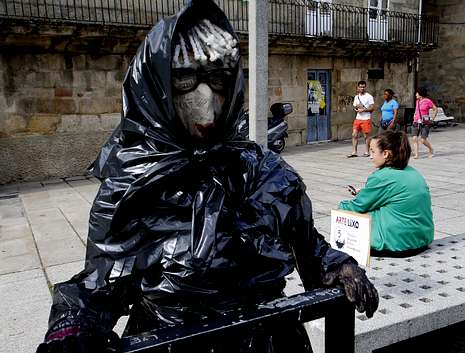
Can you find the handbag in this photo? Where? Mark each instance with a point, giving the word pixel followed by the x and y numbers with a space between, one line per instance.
pixel 426 120
pixel 385 124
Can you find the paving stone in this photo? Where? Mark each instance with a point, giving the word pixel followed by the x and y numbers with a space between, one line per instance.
pixel 25 306
pixel 58 243
pixel 441 213
pixel 451 226
pixel 18 255
pixel 62 273
pixel 58 213
pixel 417 295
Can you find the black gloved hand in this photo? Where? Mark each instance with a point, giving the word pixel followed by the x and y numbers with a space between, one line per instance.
pixel 70 342
pixel 359 290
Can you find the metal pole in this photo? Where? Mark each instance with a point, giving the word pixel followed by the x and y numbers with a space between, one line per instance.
pixel 258 71
pixel 420 10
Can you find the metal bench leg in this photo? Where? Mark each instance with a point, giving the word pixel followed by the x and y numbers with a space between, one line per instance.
pixel 340 330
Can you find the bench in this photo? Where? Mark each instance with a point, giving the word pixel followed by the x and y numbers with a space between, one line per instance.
pixel 441 117
pixel 419 294
pixel 329 303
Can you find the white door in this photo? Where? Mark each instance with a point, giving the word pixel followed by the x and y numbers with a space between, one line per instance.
pixel 319 18
pixel 378 20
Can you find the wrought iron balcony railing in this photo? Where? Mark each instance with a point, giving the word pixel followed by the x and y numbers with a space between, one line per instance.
pixel 286 17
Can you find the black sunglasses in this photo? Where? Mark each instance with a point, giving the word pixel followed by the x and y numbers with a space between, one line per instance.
pixel 186 80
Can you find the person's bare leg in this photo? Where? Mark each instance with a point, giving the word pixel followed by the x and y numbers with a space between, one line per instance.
pixel 367 143
pixel 430 147
pixel 415 147
pixel 354 141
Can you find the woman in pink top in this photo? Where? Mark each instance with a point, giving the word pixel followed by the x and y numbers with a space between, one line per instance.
pixel 422 122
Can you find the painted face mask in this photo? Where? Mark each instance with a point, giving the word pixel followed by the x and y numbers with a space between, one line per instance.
pixel 198 110
pixel 204 58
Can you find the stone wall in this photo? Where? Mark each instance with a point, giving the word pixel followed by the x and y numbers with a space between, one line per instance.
pixel 442 71
pixel 60 89
pixel 56 110
pixel 287 83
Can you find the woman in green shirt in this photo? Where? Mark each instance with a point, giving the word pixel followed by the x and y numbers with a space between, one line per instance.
pixel 397 198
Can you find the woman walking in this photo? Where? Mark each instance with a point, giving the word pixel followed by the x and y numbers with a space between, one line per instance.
pixel 422 121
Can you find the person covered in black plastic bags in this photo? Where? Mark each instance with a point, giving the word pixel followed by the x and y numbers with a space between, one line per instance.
pixel 190 221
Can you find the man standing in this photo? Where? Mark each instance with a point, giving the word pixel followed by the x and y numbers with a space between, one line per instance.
pixel 364 106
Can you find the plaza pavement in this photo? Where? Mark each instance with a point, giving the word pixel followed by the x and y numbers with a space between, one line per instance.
pixel 43 225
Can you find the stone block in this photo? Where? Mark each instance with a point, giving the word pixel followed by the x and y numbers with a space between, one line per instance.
pixel 105 63
pixel 37 92
pixel 48 62
pixel 294 93
pixel 297 123
pixel 351 75
pixel 89 80
pixel 11 124
pixel 79 62
pixel 43 124
pixel 344 132
pixel 340 118
pixel 63 92
pixel 294 138
pixel 114 79
pixel 52 105
pixel 112 92
pixel 44 79
pixel 99 106
pixel 79 123
pixel 274 82
pixel 110 121
pixel 61 155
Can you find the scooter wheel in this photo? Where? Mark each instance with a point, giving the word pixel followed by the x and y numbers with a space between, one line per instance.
pixel 278 146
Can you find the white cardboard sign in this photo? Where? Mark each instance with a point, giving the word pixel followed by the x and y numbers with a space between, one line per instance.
pixel 350 233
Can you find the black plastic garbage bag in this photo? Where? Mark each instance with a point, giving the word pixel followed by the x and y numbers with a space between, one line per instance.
pixel 181 230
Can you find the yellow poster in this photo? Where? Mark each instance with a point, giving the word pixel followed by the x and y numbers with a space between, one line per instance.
pixel 316 96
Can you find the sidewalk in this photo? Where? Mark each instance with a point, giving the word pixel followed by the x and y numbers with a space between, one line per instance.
pixel 43 225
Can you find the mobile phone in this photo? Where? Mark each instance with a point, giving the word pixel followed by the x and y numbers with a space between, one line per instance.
pixel 352 190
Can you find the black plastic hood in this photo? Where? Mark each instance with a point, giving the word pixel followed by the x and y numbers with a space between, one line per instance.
pixel 149 126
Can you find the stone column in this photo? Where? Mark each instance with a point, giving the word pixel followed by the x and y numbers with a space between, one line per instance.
pixel 258 71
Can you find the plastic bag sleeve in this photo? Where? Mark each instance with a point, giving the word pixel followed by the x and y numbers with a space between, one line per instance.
pixel 93 312
pixel 313 254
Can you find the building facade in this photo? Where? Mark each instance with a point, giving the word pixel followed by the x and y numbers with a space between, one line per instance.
pixel 62 67
pixel 442 71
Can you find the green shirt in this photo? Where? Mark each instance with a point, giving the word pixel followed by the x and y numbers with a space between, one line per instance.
pixel 400 207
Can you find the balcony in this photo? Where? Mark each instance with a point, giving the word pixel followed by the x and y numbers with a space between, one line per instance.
pixel 288 18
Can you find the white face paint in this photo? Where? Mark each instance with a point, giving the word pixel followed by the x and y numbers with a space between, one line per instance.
pixel 198 110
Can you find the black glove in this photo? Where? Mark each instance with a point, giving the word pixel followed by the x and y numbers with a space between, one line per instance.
pixel 71 340
pixel 359 290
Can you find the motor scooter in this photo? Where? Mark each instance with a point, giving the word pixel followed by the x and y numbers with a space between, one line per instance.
pixel 277 126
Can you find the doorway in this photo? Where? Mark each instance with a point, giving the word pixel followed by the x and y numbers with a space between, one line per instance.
pixel 318 105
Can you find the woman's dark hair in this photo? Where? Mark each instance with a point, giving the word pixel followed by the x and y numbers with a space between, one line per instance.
pixel 389 91
pixel 396 142
pixel 422 91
